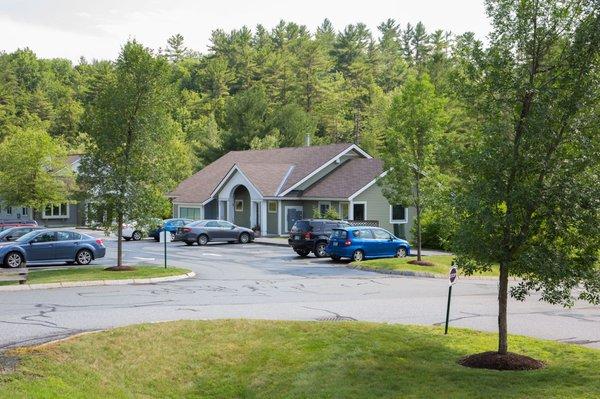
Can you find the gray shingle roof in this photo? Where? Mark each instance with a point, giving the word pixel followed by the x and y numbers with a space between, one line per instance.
pixel 265 168
pixel 345 180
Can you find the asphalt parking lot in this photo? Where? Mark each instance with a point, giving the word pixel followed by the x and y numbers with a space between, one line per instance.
pixel 268 282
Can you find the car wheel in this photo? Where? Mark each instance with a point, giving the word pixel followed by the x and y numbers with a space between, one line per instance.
pixel 84 257
pixel 14 260
pixel 320 250
pixel 244 238
pixel 358 255
pixel 202 239
pixel 302 252
pixel 401 252
pixel 157 239
pixel 127 238
pixel 136 236
pixel 189 243
pixel 335 257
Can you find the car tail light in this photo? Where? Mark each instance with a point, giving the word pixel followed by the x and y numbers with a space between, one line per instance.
pixel 307 235
pixel 186 229
pixel 100 242
pixel 348 243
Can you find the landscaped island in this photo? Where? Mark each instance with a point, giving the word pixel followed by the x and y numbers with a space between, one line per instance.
pixel 267 359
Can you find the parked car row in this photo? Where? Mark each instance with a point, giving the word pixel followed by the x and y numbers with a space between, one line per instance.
pixel 338 239
pixel 9 223
pixel 51 246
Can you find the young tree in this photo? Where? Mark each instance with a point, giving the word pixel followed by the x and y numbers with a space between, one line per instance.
pixel 416 118
pixel 135 155
pixel 530 197
pixel 39 175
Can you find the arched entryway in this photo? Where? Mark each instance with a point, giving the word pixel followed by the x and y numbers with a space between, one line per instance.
pixel 242 206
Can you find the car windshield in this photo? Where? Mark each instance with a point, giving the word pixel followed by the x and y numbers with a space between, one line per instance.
pixel 27 236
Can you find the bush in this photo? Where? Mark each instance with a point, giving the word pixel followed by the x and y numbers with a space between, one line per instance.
pixel 434 231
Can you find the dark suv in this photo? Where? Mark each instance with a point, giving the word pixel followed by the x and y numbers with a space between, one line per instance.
pixel 312 235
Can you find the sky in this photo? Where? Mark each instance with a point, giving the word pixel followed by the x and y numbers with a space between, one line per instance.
pixel 96 29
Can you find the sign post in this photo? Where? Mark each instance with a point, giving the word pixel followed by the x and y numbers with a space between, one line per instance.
pixel 452 280
pixel 164 238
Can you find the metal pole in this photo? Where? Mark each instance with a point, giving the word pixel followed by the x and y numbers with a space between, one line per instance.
pixel 165 240
pixel 448 309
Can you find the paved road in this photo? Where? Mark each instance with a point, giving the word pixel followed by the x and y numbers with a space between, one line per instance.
pixel 265 282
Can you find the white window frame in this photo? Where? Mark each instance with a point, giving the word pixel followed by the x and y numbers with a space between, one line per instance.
pixel 189 207
pixel 24 211
pixel 235 205
pixel 398 221
pixel 328 203
pixel 341 212
pixel 8 210
pixel 359 203
pixel 269 206
pixel 66 216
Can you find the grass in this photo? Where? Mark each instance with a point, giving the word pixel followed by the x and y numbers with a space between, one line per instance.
pixel 266 359
pixel 96 273
pixel 441 265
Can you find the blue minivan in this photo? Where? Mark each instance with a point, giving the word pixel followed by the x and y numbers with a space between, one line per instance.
pixel 358 243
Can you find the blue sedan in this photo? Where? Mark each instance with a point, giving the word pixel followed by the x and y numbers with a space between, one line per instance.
pixel 358 243
pixel 51 246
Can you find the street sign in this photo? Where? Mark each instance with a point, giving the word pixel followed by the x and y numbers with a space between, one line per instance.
pixel 453 275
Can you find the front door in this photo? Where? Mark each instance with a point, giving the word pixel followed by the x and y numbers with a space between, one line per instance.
pixel 292 214
pixel 359 212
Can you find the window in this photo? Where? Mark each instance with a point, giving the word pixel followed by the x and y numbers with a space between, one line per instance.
pixel 239 205
pixel 381 234
pixel 9 210
pixel 324 207
pixel 212 223
pixel 225 225
pixel 397 214
pixel 60 211
pixel 344 210
pixel 339 234
pixel 189 213
pixel 44 237
pixel 360 211
pixel 67 236
pixel 364 234
pixel 272 205
pixel 24 212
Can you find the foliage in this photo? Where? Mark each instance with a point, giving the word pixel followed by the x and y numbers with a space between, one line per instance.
pixel 530 196
pixel 136 154
pixel 34 171
pixel 416 119
pixel 330 214
pixel 441 266
pixel 267 359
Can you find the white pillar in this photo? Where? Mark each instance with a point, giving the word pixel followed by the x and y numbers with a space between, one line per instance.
pixel 220 211
pixel 279 213
pixel 351 210
pixel 253 216
pixel 263 217
pixel 230 211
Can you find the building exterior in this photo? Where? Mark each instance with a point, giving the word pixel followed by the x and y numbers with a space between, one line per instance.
pixel 271 189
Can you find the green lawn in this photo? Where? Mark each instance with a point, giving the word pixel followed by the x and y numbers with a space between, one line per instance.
pixel 441 265
pixel 266 359
pixel 96 273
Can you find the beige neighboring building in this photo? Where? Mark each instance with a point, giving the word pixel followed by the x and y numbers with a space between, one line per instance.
pixel 274 188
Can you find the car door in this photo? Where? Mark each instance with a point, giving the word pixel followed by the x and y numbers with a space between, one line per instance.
pixel 41 247
pixel 213 230
pixel 228 231
pixel 384 246
pixel 67 244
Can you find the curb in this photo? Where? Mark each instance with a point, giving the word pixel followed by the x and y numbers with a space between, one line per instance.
pixel 408 273
pixel 273 244
pixel 68 284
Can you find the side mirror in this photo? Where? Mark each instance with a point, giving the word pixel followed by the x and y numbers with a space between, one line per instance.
pixel 232 227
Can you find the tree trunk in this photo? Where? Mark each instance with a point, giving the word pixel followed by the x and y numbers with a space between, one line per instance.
pixel 418 207
pixel 120 239
pixel 502 309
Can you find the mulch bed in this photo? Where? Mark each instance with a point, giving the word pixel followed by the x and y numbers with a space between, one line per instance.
pixel 120 268
pixel 496 361
pixel 420 262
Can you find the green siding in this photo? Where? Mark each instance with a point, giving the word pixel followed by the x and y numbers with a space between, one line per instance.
pixel 378 208
pixel 242 218
pixel 272 221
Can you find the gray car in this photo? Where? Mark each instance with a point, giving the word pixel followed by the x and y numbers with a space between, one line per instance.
pixel 204 231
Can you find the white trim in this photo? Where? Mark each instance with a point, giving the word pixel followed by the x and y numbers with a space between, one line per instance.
pixel 276 206
pixel 306 198
pixel 279 218
pixel 188 204
pixel 367 186
pixel 44 216
pixel 190 207
pixel 285 177
pixel 399 221
pixel 235 205
pixel 360 203
pixel 326 164
pixel 234 168
pixel 324 203
pixel 297 207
